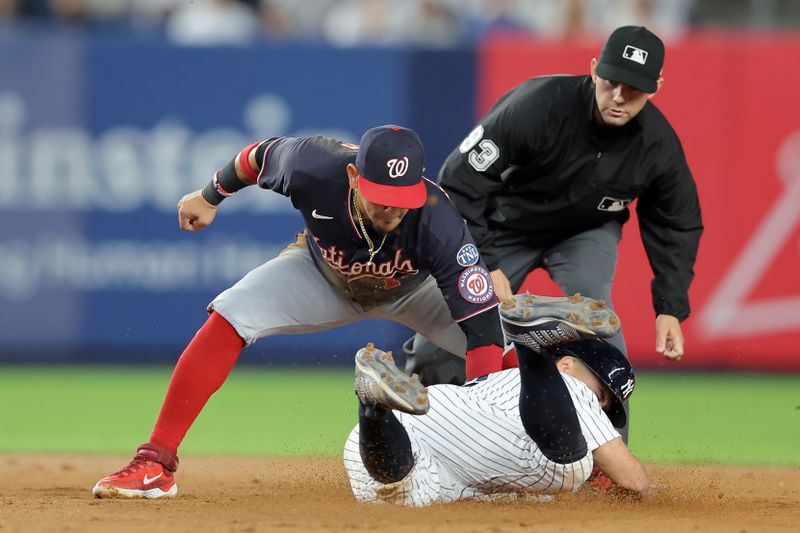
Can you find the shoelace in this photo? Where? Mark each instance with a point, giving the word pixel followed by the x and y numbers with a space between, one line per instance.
pixel 135 465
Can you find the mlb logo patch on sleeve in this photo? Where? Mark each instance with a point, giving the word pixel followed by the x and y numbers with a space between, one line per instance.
pixel 475 285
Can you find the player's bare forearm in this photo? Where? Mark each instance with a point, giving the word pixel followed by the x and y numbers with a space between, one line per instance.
pixel 625 470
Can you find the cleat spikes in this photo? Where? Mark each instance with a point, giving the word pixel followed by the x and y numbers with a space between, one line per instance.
pixel 508 303
pixel 540 322
pixel 378 381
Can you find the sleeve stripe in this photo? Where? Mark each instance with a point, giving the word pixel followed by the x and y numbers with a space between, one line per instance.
pixel 264 160
pixel 491 306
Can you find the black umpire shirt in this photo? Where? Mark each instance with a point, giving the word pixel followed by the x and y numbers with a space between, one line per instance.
pixel 539 166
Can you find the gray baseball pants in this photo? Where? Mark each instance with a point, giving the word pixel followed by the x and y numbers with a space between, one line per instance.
pixel 288 295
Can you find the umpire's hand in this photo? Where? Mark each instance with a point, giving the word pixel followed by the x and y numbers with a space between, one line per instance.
pixel 669 337
pixel 194 212
pixel 502 287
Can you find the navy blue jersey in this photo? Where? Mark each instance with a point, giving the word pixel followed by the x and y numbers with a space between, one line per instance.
pixel 432 240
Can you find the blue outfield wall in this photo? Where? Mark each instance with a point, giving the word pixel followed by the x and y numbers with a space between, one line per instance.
pixel 100 137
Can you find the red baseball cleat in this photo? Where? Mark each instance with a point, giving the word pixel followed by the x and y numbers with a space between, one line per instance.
pixel 144 477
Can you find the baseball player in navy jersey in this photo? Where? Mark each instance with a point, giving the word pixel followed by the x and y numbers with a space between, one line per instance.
pixel 514 433
pixel 380 241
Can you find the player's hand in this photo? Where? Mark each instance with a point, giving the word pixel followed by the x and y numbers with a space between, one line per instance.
pixel 194 212
pixel 502 287
pixel 669 337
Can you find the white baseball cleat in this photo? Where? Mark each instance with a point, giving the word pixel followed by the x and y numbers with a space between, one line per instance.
pixel 540 322
pixel 379 382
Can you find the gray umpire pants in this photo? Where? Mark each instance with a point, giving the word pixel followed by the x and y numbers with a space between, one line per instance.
pixel 584 263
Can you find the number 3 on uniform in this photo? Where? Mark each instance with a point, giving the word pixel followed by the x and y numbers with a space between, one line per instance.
pixel 482 152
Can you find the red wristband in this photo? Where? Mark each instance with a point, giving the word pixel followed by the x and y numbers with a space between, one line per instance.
pixel 510 359
pixel 484 360
pixel 244 162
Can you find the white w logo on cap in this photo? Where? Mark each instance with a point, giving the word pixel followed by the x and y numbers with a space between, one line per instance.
pixel 397 167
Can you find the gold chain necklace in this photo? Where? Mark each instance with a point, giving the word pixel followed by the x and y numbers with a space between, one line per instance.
pixel 372 250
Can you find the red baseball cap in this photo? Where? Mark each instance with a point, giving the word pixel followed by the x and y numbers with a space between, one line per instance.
pixel 390 164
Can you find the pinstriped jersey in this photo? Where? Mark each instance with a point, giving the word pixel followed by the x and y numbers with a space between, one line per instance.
pixel 472 444
pixel 430 241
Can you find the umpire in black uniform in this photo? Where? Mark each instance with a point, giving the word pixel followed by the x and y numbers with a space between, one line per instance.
pixel 545 180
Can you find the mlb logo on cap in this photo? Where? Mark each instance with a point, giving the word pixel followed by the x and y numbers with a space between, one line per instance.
pixel 635 54
pixel 390 162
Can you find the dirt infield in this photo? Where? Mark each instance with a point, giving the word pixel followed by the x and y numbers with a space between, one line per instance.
pixel 52 493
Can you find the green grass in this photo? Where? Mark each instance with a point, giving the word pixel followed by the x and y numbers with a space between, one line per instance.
pixel 717 418
pixel 697 418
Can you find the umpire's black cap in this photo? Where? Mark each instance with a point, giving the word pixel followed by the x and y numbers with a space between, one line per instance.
pixel 633 55
pixel 608 364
